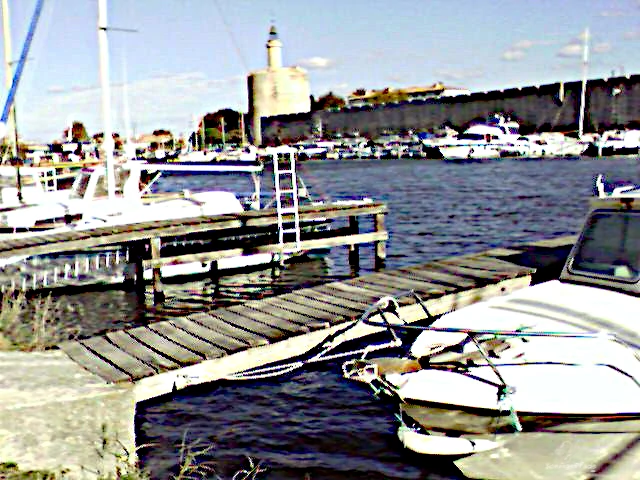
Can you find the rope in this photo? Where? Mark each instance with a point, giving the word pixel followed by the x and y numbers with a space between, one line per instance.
pixel 325 346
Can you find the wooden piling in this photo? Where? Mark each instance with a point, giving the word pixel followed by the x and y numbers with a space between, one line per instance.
pixel 354 248
pixel 380 248
pixel 158 292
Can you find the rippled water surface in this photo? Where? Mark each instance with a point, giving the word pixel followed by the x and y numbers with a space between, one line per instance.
pixel 314 424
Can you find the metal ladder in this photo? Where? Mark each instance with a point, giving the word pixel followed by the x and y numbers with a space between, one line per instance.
pixel 286 192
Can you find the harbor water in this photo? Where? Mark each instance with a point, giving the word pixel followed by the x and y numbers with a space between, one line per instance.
pixel 312 424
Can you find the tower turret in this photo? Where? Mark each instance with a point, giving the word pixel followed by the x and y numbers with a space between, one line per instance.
pixel 274 49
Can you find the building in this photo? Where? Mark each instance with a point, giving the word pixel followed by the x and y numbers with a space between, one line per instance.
pixel 276 90
pixel 363 97
pixel 609 103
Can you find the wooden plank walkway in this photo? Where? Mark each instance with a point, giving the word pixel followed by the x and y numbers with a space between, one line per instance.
pixel 75 258
pixel 222 225
pixel 178 346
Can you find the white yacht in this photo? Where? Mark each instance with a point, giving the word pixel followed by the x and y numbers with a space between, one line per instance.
pixel 497 137
pixel 552 368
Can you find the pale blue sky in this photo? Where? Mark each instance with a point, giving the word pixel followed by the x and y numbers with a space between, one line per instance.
pixel 190 57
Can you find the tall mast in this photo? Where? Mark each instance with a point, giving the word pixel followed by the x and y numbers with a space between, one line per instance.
pixel 11 121
pixel 107 140
pixel 585 61
pixel 17 73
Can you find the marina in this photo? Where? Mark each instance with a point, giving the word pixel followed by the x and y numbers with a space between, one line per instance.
pixel 159 312
pixel 402 254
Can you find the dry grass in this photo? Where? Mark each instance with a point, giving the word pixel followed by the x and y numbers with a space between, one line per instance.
pixel 194 464
pixel 30 329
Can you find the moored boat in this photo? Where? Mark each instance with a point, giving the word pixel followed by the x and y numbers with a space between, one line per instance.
pixel 540 383
pixel 495 138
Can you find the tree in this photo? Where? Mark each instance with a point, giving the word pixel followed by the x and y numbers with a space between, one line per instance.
pixel 326 102
pixel 227 120
pixel 161 131
pixel 117 141
pixel 78 133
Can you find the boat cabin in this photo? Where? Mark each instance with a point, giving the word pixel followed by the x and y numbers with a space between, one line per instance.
pixel 607 253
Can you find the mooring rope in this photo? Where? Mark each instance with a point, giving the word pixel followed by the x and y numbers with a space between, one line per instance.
pixel 385 304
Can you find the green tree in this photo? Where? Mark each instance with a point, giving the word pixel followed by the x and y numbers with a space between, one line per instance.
pixel 326 102
pixel 78 133
pixel 227 120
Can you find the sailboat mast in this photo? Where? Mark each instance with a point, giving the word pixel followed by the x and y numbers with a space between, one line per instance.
pixel 107 140
pixel 11 121
pixel 585 61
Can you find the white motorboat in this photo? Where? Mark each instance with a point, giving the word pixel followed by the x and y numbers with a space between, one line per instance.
pixel 26 185
pixel 541 383
pixel 616 142
pixel 139 201
pixel 549 145
pixel 495 138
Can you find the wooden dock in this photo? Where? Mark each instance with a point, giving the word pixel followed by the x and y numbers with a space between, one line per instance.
pixel 168 355
pixel 86 391
pixel 202 239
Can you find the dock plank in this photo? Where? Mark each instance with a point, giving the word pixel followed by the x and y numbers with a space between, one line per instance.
pixel 378 283
pixel 225 342
pixel 333 313
pixel 117 357
pixel 367 289
pixel 269 320
pixel 268 332
pixel 126 342
pixel 308 311
pixel 430 284
pixel 354 299
pixel 267 307
pixel 336 305
pixel 251 339
pixel 439 277
pixel 411 283
pixel 154 340
pixel 485 262
pixel 481 277
pixel 380 290
pixel 184 338
pixel 352 291
pixel 92 362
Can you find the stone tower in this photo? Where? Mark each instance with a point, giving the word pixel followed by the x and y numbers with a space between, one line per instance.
pixel 276 90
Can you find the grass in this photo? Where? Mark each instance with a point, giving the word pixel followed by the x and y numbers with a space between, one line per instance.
pixel 40 332
pixel 193 464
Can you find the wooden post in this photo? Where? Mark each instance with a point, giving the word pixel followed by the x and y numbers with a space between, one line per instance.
pixel 158 293
pixel 133 270
pixel 381 247
pixel 214 278
pixel 354 248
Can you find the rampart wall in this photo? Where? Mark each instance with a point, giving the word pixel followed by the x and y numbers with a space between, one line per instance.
pixel 609 102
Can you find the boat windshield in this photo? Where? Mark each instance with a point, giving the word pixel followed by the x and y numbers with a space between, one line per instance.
pixel 609 246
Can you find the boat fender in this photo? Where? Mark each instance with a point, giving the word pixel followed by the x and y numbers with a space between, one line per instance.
pixel 470 152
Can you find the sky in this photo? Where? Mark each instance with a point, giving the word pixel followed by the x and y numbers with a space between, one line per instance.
pixel 172 61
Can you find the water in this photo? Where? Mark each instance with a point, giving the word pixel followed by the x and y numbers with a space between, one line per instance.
pixel 313 424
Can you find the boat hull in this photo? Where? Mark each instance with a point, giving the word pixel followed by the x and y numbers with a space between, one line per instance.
pixel 461 152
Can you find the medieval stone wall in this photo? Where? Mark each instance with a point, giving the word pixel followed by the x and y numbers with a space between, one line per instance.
pixel 608 103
